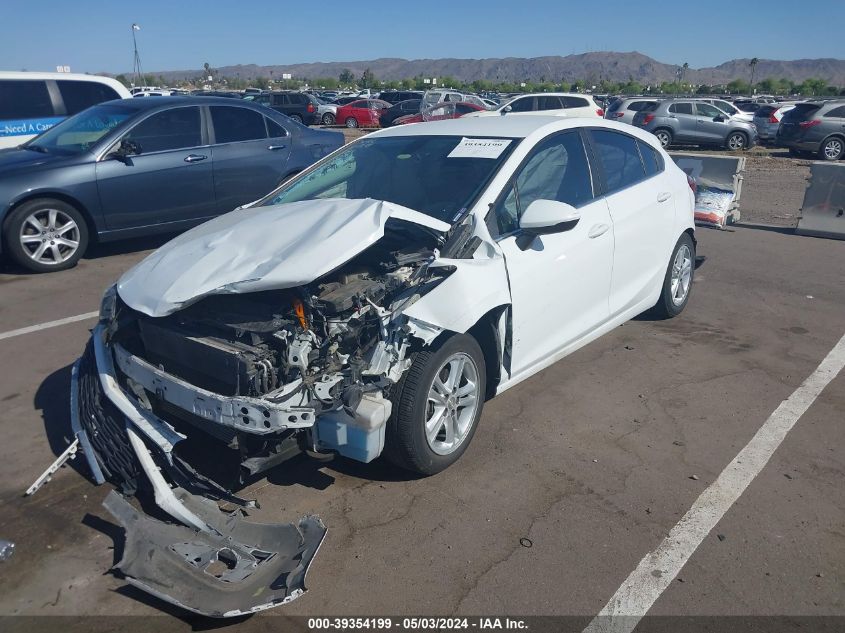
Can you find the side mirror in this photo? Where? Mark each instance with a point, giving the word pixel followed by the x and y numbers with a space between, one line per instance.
pixel 719 118
pixel 506 109
pixel 548 216
pixel 126 149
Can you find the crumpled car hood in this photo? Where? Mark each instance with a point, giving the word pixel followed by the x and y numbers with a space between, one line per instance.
pixel 260 248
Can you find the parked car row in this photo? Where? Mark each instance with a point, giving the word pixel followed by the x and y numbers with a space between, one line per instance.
pixel 808 128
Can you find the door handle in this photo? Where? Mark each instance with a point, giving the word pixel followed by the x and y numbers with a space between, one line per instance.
pixel 275 147
pixel 194 158
pixel 597 229
pixel 663 197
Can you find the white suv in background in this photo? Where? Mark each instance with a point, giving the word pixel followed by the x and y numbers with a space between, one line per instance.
pixel 31 103
pixel 549 104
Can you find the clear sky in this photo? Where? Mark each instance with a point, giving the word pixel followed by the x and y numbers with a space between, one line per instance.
pixel 92 36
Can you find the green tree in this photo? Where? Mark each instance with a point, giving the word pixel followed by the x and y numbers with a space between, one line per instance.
pixel 704 89
pixel 768 85
pixel 346 77
pixel 739 86
pixel 122 79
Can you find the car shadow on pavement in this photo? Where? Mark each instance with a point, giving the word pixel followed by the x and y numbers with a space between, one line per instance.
pixel 123 247
pixel 52 399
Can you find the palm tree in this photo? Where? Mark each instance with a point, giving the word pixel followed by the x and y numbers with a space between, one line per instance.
pixel 753 63
pixel 684 70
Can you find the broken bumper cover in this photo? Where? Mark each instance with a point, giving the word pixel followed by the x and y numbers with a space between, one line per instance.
pixel 215 563
pixel 236 569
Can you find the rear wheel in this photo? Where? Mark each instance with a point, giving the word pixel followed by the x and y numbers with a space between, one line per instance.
pixel 832 149
pixel 46 234
pixel 296 117
pixel 664 137
pixel 351 122
pixel 328 118
pixel 436 406
pixel 677 282
pixel 737 141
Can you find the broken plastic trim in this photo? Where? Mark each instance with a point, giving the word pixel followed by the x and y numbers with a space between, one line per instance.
pixel 238 569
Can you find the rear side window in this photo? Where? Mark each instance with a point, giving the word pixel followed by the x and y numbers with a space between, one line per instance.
pixel 637 106
pixel 549 103
pixel 178 128
pixel 79 95
pixel 574 102
pixel 274 130
pixel 801 112
pixel 837 112
pixel 681 108
pixel 620 158
pixel 652 160
pixel 24 99
pixel 232 125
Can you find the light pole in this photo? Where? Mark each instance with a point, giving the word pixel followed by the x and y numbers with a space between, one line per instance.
pixel 136 64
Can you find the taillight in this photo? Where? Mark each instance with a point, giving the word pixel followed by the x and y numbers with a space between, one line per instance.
pixel 648 119
pixel 310 107
pixel 600 112
pixel 808 124
pixel 692 185
pixel 773 119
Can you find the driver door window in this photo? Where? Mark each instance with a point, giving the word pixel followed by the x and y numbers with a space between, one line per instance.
pixel 169 130
pixel 556 170
pixel 707 110
pixel 526 104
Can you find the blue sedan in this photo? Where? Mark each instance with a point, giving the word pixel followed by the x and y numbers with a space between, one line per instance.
pixel 136 167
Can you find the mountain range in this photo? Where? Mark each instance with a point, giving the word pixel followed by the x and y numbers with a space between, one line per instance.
pixel 593 66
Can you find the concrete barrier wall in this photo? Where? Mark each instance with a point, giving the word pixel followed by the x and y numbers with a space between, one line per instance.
pixel 719 183
pixel 823 210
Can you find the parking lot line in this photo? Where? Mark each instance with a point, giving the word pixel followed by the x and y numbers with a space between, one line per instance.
pixel 47 325
pixel 659 567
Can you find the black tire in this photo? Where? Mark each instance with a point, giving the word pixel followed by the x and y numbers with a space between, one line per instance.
pixel 21 254
pixel 296 117
pixel 832 148
pixel 739 144
pixel 406 445
pixel 351 122
pixel 666 307
pixel 328 118
pixel 661 134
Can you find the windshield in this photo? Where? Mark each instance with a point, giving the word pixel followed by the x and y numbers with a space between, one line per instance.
pixel 436 175
pixel 79 132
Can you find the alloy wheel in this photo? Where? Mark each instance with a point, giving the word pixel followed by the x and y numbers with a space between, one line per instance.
pixel 736 141
pixel 49 236
pixel 833 149
pixel 453 401
pixel 681 275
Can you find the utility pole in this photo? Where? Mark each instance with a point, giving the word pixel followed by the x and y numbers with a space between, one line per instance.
pixel 136 64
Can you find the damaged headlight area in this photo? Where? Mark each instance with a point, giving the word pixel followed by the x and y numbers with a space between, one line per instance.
pixel 194 404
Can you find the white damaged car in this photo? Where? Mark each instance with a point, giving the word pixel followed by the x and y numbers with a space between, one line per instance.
pixel 368 306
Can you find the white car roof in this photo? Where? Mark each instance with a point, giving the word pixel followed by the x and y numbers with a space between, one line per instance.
pixel 509 127
pixel 112 83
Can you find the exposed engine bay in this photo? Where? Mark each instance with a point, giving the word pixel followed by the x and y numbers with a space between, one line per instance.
pixel 321 357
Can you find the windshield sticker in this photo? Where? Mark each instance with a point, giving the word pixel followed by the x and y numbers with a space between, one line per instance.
pixel 479 148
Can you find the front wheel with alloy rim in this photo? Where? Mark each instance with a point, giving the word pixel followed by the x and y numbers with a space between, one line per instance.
pixel 436 406
pixel 45 235
pixel 677 282
pixel 737 141
pixel 328 118
pixel 832 149
pixel 351 122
